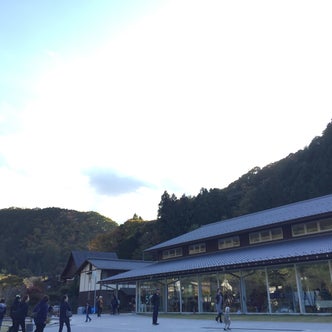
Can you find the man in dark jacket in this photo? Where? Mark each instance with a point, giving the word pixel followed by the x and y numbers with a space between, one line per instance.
pixel 3 310
pixel 65 313
pixel 14 313
pixel 22 313
pixel 155 301
pixel 40 314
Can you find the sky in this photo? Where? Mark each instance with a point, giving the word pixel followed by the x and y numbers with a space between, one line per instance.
pixel 106 104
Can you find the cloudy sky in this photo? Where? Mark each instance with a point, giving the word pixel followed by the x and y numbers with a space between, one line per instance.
pixel 106 104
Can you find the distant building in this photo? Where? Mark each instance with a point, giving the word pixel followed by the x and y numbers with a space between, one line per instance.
pixel 273 261
pixel 90 267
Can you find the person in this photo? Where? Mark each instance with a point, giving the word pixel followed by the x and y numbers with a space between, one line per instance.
pixel 100 304
pixel 40 312
pixel 87 312
pixel 3 309
pixel 65 313
pixel 155 301
pixel 22 313
pixel 219 300
pixel 227 319
pixel 14 313
pixel 114 303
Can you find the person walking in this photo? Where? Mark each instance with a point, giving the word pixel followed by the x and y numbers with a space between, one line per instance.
pixel 65 314
pixel 14 313
pixel 22 313
pixel 87 312
pixel 40 313
pixel 3 309
pixel 100 305
pixel 219 301
pixel 114 304
pixel 155 301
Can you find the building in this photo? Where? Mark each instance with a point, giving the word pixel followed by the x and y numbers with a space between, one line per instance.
pixel 273 261
pixel 92 266
pixel 78 257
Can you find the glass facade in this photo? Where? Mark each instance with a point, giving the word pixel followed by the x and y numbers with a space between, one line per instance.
pixel 315 287
pixel 300 288
pixel 207 287
pixel 253 285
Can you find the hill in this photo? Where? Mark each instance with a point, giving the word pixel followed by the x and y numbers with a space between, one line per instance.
pixel 301 175
pixel 39 241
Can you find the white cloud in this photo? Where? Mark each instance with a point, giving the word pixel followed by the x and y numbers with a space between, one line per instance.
pixel 191 95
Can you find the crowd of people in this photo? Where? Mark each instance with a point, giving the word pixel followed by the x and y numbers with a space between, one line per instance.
pixel 19 311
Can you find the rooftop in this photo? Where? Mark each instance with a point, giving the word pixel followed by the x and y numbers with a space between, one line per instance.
pixel 295 211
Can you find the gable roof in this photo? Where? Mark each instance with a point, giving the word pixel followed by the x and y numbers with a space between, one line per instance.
pixel 294 211
pixel 114 264
pixel 77 258
pixel 295 250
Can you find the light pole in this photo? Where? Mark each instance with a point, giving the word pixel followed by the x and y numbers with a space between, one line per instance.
pixel 94 275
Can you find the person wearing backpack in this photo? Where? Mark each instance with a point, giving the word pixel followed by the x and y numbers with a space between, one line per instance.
pixel 3 310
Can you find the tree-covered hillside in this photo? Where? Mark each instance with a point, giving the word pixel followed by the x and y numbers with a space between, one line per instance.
pixel 39 241
pixel 302 175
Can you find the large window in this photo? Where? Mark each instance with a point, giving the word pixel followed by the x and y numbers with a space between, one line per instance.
pixel 171 253
pixel 208 286
pixel 197 248
pixel 189 294
pixel 173 295
pixel 266 235
pixel 312 227
pixel 316 281
pixel 283 290
pixel 145 291
pixel 255 290
pixel 229 242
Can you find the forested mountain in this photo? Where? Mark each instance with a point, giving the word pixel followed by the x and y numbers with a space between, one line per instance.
pixel 39 241
pixel 302 175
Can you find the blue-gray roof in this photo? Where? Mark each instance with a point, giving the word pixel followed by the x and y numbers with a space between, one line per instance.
pixel 303 209
pixel 79 256
pixel 117 264
pixel 272 253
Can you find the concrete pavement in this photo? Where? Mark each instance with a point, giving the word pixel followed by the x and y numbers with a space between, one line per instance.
pixel 141 323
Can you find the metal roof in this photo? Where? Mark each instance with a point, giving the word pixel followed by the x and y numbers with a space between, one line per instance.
pixel 117 264
pixel 271 253
pixel 78 257
pixel 303 209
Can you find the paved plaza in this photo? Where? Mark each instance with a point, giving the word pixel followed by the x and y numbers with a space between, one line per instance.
pixel 142 323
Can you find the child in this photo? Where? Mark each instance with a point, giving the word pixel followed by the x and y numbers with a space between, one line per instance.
pixel 227 319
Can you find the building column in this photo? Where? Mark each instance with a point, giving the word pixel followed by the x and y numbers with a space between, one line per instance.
pixel 199 296
pixel 299 290
pixel 268 291
pixel 243 299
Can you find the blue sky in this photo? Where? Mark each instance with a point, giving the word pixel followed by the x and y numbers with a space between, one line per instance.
pixel 104 105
